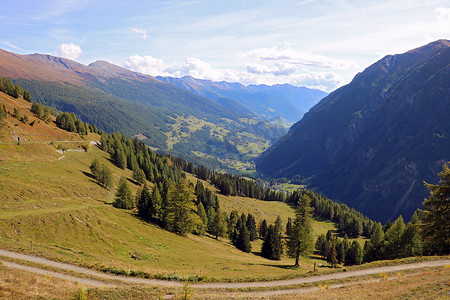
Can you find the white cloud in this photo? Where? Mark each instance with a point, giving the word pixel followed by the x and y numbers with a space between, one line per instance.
pixel 190 67
pixel 278 70
pixel 442 14
pixel 256 73
pixel 70 51
pixel 287 54
pixel 141 31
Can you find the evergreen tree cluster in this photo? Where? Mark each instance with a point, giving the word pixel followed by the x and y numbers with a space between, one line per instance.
pixel 272 247
pixel 68 122
pixel 335 250
pixel 242 230
pixel 395 240
pixel 14 90
pixel 350 221
pixel 102 173
pixel 134 154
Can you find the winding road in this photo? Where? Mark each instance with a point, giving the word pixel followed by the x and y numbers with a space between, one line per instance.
pixel 216 285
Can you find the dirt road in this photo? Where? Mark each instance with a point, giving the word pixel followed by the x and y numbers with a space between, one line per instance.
pixel 215 285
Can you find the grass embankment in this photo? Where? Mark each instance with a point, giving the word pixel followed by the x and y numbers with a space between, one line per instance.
pixel 69 217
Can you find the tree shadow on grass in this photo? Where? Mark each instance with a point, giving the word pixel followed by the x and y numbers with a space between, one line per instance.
pixel 285 267
pixel 93 179
pixel 88 175
pixel 133 182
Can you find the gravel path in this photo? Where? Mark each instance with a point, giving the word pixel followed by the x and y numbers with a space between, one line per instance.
pixel 218 285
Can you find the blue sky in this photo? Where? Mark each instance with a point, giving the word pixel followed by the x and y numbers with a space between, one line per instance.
pixel 319 44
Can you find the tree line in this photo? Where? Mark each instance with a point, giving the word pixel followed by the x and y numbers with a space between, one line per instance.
pixel 350 221
pixel 14 90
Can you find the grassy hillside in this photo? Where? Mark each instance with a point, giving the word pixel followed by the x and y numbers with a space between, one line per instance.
pixel 50 200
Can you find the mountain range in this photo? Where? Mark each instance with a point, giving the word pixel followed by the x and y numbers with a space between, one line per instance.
pixel 166 117
pixel 282 100
pixel 372 143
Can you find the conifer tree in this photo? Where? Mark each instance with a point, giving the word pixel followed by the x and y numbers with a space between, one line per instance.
pixel 263 229
pixel 155 206
pixel 219 224
pixel 105 177
pixel 201 227
pixel 138 175
pixel 411 241
pixel 300 240
pixel 27 95
pixel 251 227
pixel 143 203
pixel 124 195
pixel 266 248
pixel 392 244
pixel 243 239
pixel 436 214
pixel 374 249
pixel 288 226
pixel 181 211
pixel 340 253
pixel 332 254
pixel 232 222
pixel 354 255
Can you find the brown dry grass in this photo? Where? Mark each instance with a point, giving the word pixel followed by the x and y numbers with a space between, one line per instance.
pixel 427 284
pixel 17 284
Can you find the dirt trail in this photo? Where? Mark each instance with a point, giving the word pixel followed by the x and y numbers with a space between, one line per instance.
pixel 218 285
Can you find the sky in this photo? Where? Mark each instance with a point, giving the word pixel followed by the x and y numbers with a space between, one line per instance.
pixel 317 44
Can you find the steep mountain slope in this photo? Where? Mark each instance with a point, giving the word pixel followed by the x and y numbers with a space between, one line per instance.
pixel 116 99
pixel 372 142
pixel 278 101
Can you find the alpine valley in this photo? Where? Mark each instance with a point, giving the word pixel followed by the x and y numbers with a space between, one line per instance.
pixel 372 143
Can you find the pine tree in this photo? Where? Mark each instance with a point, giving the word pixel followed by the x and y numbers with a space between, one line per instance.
pixel 267 245
pixel 411 241
pixel 119 157
pixel 354 255
pixel 105 176
pixel 392 244
pixel 232 222
pixel 436 215
pixel 143 203
pixel 288 226
pixel 219 224
pixel 332 254
pixel 124 195
pixel 340 253
pixel 138 175
pixel 155 206
pixel 300 240
pixel 251 227
pixel 374 249
pixel 263 229
pixel 181 211
pixel 27 95
pixel 243 239
pixel 201 228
